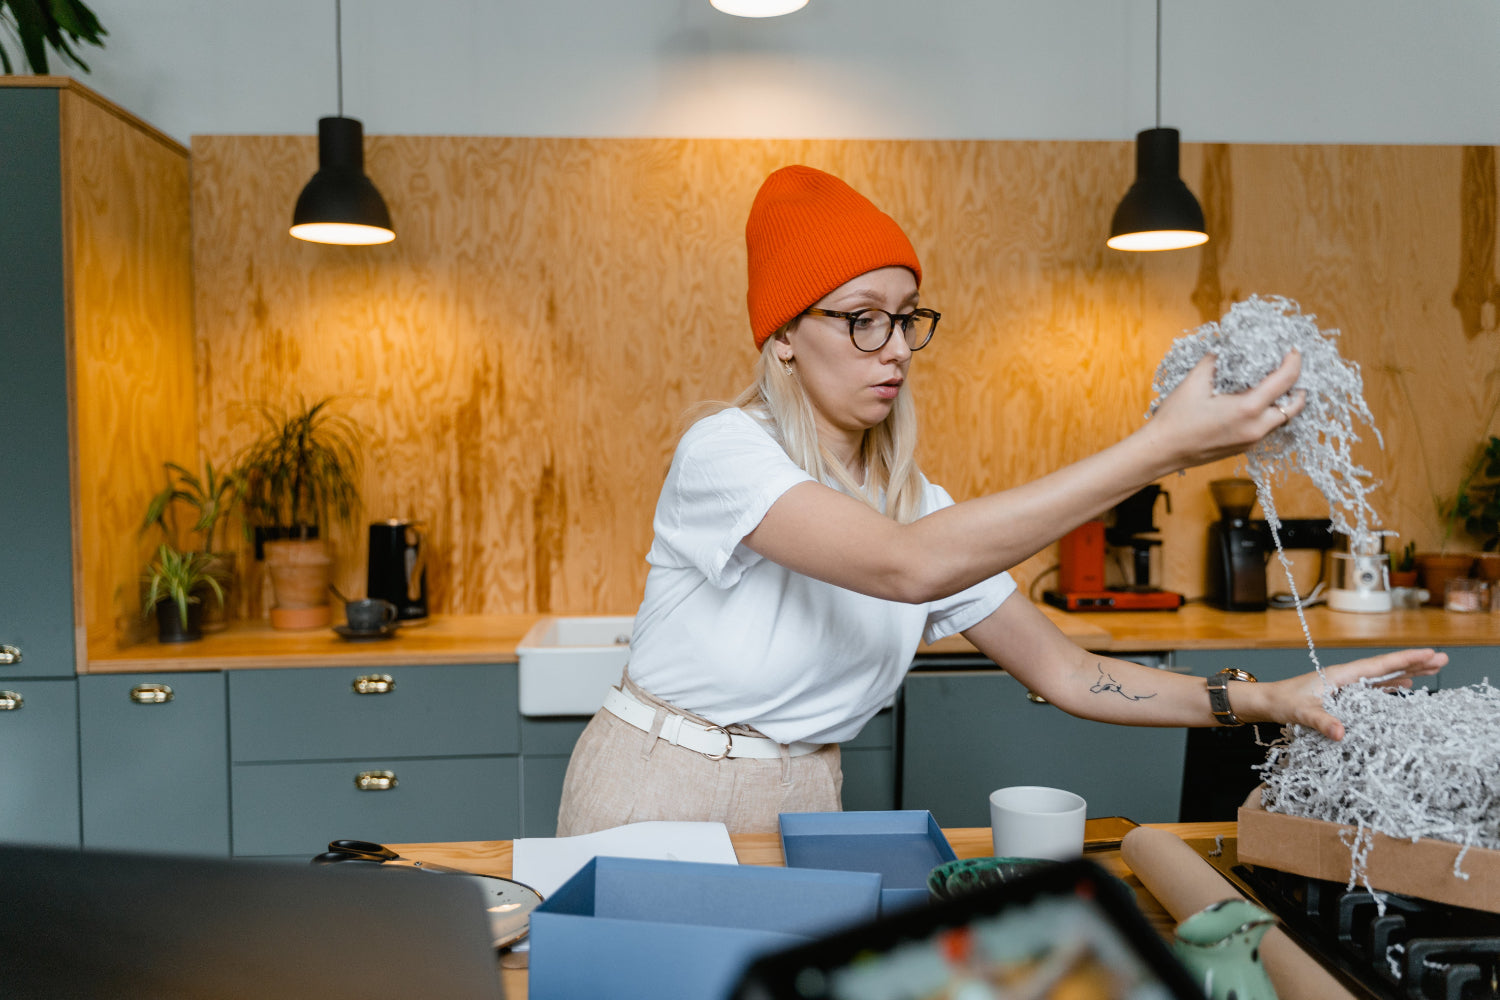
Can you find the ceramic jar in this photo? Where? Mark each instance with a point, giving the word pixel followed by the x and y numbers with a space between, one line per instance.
pixel 1220 945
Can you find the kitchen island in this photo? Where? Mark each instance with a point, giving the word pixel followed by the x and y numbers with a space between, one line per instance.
pixel 494 858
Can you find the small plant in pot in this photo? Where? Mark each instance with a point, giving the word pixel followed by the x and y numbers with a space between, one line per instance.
pixel 1404 566
pixel 214 496
pixel 174 582
pixel 300 476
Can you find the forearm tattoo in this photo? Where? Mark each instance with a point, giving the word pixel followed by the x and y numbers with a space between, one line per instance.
pixel 1106 684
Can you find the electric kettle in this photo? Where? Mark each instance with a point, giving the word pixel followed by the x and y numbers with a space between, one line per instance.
pixel 398 567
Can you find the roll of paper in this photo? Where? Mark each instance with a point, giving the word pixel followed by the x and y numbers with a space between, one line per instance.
pixel 1184 883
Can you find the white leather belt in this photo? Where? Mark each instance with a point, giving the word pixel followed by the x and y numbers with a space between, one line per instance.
pixel 713 742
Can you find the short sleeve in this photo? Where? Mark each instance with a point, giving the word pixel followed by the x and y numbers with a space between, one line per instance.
pixel 727 472
pixel 968 607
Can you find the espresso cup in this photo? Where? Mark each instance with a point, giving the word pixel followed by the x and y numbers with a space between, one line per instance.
pixel 370 614
pixel 1032 821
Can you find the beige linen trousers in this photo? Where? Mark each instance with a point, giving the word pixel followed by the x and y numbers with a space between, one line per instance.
pixel 619 774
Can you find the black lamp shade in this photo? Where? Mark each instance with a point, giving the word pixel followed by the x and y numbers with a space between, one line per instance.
pixel 340 204
pixel 1158 212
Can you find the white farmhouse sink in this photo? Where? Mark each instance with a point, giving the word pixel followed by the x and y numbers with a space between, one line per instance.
pixel 567 664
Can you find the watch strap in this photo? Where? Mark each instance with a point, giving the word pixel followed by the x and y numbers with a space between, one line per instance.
pixel 1218 694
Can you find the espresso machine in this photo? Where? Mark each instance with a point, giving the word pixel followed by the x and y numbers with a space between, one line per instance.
pixel 1081 571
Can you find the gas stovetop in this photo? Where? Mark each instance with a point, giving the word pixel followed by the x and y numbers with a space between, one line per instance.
pixel 1416 950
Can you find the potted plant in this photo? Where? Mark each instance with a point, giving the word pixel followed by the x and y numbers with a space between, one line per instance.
pixel 1478 506
pixel 1404 566
pixel 214 496
pixel 174 580
pixel 40 26
pixel 301 475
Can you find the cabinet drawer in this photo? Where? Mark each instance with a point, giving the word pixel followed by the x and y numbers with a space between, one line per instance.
pixel 425 711
pixel 296 809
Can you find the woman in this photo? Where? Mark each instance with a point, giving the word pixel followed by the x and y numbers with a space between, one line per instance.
pixel 800 556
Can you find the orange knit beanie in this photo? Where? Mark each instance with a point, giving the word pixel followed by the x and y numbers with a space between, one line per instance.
pixel 807 234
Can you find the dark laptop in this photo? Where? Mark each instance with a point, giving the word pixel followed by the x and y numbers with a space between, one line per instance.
pixel 125 926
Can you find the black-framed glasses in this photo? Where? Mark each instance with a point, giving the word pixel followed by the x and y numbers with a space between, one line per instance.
pixel 869 329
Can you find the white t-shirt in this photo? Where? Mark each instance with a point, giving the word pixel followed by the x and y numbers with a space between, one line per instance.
pixel 736 638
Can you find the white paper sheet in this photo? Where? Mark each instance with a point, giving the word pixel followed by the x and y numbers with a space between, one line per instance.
pixel 545 863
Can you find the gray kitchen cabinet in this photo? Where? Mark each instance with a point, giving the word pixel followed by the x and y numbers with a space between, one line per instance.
pixel 39 751
pixel 968 732
pixel 154 762
pixel 36 586
pixel 412 753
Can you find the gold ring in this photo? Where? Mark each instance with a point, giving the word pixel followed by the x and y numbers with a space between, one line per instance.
pixel 1282 410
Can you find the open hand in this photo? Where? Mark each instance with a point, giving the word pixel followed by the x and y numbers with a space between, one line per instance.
pixel 1299 700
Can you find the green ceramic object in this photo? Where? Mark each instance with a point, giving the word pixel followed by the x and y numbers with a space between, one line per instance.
pixel 955 878
pixel 1220 945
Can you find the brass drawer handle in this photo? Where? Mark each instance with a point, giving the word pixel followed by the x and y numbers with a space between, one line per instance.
pixel 151 694
pixel 375 781
pixel 374 684
pixel 10 701
pixel 9 655
pixel 1036 699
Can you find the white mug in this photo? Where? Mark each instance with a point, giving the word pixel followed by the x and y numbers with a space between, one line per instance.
pixel 1031 821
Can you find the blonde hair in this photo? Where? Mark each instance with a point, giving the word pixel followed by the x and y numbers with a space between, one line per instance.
pixel 776 398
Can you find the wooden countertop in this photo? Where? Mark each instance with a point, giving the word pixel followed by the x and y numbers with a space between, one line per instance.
pixel 493 857
pixel 254 645
pixel 493 638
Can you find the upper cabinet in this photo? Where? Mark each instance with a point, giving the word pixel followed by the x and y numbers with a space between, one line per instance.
pixel 96 362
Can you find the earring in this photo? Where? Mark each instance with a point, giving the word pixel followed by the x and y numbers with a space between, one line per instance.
pixel 786 366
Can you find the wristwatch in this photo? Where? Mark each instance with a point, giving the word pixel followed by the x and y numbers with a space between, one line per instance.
pixel 1218 694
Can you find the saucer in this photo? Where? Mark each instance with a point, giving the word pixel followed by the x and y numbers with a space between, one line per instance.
pixel 364 635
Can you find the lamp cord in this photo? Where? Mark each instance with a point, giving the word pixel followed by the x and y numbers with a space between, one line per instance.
pixel 1158 63
pixel 338 53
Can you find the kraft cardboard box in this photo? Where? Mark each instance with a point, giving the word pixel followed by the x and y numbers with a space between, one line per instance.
pixel 902 845
pixel 628 928
pixel 1320 849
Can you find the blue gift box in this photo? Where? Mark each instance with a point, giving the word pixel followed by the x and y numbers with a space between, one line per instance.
pixel 628 928
pixel 902 846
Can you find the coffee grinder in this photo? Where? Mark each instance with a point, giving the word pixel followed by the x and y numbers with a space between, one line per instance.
pixel 1237 549
pixel 1081 574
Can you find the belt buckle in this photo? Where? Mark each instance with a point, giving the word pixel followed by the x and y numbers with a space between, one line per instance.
pixel 728 743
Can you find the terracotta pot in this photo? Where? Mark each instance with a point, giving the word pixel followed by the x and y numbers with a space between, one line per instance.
pixel 1436 569
pixel 216 614
pixel 300 572
pixel 1403 578
pixel 1487 566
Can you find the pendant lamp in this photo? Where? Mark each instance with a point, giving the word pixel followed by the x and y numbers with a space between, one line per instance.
pixel 1158 212
pixel 758 8
pixel 340 204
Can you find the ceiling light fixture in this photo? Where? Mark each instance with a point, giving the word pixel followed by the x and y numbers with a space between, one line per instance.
pixel 1158 212
pixel 340 204
pixel 758 8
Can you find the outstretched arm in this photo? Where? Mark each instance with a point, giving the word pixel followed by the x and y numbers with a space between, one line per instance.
pixel 821 533
pixel 1022 640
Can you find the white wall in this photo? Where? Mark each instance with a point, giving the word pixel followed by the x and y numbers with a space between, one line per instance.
pixel 1387 71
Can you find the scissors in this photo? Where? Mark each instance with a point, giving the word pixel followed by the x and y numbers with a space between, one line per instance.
pixel 507 902
pixel 363 850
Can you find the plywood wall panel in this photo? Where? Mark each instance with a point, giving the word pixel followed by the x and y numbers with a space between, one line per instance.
pixel 126 192
pixel 523 356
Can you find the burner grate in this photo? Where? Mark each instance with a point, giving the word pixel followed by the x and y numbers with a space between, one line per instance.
pixel 1410 949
